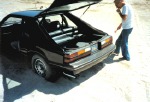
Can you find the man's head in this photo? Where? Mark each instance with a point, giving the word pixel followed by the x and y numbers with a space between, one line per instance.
pixel 119 3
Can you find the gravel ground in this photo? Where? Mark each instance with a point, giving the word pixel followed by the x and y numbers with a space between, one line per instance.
pixel 110 81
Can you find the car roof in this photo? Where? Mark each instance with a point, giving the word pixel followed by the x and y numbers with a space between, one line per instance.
pixel 27 13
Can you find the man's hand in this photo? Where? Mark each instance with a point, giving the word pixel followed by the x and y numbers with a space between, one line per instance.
pixel 116 31
pixel 119 27
pixel 118 10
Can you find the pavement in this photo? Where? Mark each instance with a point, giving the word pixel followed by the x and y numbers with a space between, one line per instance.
pixel 112 80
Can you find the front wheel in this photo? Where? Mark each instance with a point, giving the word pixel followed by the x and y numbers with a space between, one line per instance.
pixel 42 68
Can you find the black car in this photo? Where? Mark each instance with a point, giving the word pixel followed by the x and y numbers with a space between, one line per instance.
pixel 55 40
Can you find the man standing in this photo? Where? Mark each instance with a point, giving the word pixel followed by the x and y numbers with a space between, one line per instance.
pixel 126 13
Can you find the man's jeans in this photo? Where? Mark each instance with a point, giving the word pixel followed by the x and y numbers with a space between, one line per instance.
pixel 122 42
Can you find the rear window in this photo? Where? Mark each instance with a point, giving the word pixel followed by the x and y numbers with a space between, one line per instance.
pixel 52 18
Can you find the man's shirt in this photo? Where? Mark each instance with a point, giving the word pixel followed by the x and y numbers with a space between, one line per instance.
pixel 127 10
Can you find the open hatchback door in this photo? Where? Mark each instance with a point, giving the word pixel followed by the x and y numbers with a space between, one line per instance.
pixel 69 5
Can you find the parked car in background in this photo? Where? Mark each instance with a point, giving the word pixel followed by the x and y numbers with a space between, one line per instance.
pixel 54 40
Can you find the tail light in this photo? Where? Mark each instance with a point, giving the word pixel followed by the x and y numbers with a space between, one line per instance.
pixel 77 55
pixel 106 42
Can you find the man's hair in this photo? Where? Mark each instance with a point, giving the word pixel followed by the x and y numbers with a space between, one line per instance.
pixel 117 1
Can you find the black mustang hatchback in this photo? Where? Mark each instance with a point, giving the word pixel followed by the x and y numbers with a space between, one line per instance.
pixel 54 40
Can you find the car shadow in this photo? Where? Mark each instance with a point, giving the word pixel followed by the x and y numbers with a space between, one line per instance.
pixel 112 59
pixel 19 80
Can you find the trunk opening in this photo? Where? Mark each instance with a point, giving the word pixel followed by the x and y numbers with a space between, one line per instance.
pixel 71 38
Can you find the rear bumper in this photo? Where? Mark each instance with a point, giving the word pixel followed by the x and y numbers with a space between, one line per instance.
pixel 87 62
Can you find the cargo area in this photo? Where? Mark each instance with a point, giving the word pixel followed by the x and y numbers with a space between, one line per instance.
pixel 72 38
pixel 68 34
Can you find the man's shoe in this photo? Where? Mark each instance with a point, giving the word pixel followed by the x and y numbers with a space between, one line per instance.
pixel 124 58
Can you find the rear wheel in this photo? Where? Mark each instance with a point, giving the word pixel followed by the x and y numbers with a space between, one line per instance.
pixel 42 68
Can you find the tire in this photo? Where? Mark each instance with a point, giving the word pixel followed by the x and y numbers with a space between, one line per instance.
pixel 42 68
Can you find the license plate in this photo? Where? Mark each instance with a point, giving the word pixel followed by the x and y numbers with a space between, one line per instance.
pixel 94 47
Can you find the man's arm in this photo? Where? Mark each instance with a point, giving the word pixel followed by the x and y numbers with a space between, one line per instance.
pixel 124 17
pixel 119 27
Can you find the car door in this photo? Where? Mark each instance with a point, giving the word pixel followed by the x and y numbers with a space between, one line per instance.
pixel 31 37
pixel 25 39
pixel 10 31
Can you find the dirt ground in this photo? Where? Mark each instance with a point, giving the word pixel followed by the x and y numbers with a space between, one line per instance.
pixel 110 81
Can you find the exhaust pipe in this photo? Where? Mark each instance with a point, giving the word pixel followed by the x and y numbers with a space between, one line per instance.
pixel 69 75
